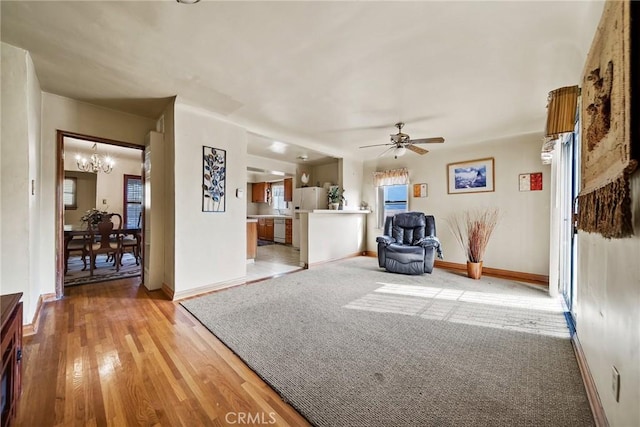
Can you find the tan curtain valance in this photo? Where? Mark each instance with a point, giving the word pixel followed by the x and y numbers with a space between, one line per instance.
pixel 561 110
pixel 391 177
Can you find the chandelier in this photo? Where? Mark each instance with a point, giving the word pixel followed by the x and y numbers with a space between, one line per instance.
pixel 95 163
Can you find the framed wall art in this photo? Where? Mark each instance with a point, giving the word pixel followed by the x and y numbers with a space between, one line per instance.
pixel 530 181
pixel 471 176
pixel 214 173
pixel 420 190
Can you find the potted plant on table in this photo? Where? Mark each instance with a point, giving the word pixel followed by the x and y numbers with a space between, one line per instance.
pixel 93 217
pixel 472 230
pixel 336 196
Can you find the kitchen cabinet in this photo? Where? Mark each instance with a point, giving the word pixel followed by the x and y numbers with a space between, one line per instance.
pixel 252 239
pixel 268 229
pixel 265 229
pixel 288 231
pixel 288 190
pixel 260 192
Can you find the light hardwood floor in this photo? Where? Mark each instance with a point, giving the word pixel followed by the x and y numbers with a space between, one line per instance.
pixel 115 354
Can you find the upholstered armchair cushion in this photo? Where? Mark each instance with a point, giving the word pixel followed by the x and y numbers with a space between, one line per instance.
pixel 409 245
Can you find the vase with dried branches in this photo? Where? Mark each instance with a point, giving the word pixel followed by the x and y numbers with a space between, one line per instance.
pixel 472 230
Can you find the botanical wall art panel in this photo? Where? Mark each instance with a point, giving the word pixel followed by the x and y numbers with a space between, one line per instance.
pixel 214 170
pixel 471 176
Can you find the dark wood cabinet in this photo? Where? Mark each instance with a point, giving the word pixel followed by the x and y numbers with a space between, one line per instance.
pixel 265 229
pixel 288 231
pixel 268 229
pixel 252 239
pixel 260 192
pixel 11 355
pixel 288 190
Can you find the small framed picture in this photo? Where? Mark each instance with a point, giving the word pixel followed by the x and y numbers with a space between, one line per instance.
pixel 471 176
pixel 420 190
pixel 530 181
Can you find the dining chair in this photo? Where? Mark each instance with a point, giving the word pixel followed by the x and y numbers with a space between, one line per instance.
pixel 132 242
pixel 104 240
pixel 116 218
pixel 79 244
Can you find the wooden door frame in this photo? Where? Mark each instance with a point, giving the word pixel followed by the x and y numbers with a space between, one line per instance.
pixel 59 227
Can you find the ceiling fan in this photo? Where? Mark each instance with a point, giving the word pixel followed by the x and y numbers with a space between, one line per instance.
pixel 401 142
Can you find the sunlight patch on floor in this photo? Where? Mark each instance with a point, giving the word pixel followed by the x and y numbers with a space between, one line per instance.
pixel 543 302
pixel 536 315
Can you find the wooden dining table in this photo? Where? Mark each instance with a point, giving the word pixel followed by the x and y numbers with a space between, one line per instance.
pixel 71 231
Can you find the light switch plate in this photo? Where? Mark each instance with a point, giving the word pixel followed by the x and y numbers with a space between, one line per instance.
pixel 615 383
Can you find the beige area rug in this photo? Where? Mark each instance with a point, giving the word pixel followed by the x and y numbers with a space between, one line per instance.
pixel 348 344
pixel 105 270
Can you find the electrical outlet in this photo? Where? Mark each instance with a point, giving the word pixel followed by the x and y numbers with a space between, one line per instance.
pixel 104 201
pixel 615 383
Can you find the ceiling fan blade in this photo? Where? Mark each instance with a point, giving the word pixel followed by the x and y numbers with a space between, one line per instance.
pixel 438 139
pixel 375 145
pixel 386 151
pixel 417 150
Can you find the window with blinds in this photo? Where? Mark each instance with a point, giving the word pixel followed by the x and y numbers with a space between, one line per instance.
pixel 277 194
pixel 132 202
pixel 69 193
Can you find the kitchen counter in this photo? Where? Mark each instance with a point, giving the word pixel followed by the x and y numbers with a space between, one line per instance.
pixel 336 211
pixel 329 235
pixel 269 216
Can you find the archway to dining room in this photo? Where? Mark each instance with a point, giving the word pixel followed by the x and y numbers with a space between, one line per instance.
pixel 95 174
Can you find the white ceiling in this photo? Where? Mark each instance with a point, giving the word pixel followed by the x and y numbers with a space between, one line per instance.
pixel 328 76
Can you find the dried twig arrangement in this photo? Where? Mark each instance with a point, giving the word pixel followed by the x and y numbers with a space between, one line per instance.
pixel 472 230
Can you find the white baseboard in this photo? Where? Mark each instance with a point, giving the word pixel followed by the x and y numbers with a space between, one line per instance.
pixel 208 288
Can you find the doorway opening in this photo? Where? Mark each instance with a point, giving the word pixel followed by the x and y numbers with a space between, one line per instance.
pixel 80 190
pixel 569 186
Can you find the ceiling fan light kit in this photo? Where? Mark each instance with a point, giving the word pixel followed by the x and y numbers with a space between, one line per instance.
pixel 399 151
pixel 401 142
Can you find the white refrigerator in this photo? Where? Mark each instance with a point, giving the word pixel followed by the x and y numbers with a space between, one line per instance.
pixel 306 199
pixel 309 198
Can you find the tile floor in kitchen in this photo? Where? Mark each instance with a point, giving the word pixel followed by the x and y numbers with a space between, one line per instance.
pixel 272 260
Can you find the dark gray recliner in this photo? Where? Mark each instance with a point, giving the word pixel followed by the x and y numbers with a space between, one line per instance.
pixel 409 244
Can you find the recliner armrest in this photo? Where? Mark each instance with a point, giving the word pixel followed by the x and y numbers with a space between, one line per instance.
pixel 387 240
pixel 430 242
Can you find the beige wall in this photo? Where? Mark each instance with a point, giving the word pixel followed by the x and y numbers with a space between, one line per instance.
pixel 154 227
pixel 327 172
pixel 608 314
pixel 351 179
pixel 169 195
pixel 20 178
pixel 210 247
pixel 521 240
pixel 85 196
